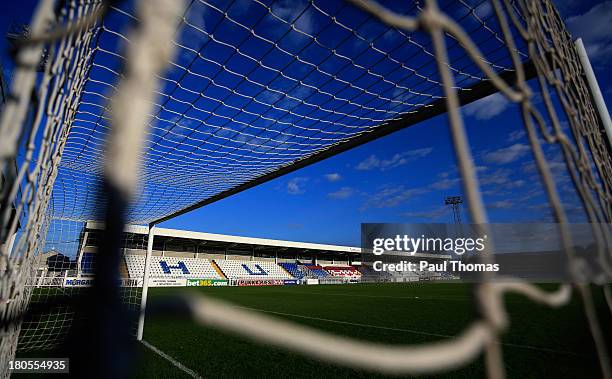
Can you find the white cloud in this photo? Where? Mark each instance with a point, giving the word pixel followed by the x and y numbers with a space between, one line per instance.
pixel 445 183
pixel 500 180
pixel 557 166
pixel 369 163
pixel 297 12
pixel 593 28
pixel 516 135
pixel 501 204
pixel 399 159
pixel 499 176
pixel 507 155
pixel 303 20
pixel 487 108
pixel 484 10
pixel 342 193
pixel 192 31
pixel 333 177
pixel 296 186
pixel 391 197
pixel 432 215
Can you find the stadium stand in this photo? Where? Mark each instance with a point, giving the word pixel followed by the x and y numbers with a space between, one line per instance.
pixel 88 262
pixel 317 271
pixel 369 275
pixel 252 269
pixel 88 266
pixel 343 271
pixel 406 276
pixel 200 268
pixel 123 269
pixel 293 269
pixel 172 267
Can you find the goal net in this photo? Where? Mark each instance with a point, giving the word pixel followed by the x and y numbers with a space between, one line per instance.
pixel 164 107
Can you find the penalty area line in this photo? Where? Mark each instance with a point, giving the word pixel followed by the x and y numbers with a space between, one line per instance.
pixel 176 363
pixel 509 344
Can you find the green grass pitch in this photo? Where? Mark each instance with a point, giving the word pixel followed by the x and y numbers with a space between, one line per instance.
pixel 540 342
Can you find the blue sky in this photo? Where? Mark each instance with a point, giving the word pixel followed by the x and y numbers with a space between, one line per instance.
pixel 403 177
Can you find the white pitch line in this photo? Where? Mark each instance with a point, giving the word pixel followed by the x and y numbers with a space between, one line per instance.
pixel 350 323
pixel 529 347
pixel 453 298
pixel 434 298
pixel 176 363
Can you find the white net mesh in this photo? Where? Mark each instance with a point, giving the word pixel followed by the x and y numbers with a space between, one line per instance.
pixel 260 87
pixel 61 272
pixel 32 134
pixel 257 87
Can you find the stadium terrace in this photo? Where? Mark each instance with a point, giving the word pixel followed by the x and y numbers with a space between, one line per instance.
pixel 187 258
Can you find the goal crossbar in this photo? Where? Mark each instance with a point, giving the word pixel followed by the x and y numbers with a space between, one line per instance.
pixel 438 107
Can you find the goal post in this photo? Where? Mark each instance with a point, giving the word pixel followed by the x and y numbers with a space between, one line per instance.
pixel 600 104
pixel 145 283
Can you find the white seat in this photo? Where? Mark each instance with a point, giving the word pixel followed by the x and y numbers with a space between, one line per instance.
pixel 196 268
pixel 252 269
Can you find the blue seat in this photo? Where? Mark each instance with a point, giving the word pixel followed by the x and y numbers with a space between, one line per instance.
pixel 293 269
pixel 318 271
